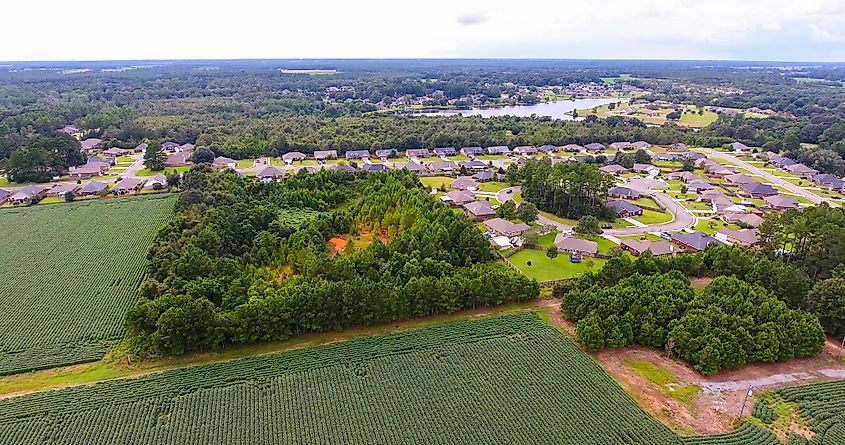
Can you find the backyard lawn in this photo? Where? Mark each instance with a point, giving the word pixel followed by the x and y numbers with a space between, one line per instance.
pixel 544 268
pixel 650 217
pixel 493 186
pixel 711 226
pixel 245 163
pixel 167 171
pixel 695 205
pixel 436 181
pixel 125 160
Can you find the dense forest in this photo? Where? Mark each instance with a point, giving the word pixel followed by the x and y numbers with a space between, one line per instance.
pixel 246 261
pixel 568 189
pixel 250 108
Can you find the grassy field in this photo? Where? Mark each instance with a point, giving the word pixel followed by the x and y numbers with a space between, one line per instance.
pixel 166 171
pixel 68 273
pixel 544 268
pixel 436 181
pixel 650 217
pixel 493 186
pixel 482 381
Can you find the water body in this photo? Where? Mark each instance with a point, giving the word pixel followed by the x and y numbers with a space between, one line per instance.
pixel 561 109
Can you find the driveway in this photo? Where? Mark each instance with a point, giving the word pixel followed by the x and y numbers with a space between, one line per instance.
pixel 792 188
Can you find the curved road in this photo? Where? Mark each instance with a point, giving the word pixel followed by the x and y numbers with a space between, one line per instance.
pixel 682 217
pixel 792 188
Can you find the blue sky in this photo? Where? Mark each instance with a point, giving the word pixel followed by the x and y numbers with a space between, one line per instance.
pixel 794 30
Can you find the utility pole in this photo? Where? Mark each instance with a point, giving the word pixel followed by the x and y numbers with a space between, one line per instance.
pixel 747 395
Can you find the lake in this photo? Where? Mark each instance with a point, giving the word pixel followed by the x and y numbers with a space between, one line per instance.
pixel 561 109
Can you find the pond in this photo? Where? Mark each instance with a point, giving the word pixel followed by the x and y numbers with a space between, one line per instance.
pixel 561 109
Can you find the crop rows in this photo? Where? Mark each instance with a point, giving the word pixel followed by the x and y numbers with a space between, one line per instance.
pixel 747 434
pixel 823 405
pixel 68 273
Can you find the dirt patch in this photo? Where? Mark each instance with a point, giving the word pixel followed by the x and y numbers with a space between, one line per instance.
pixel 336 245
pixel 285 272
pixel 700 282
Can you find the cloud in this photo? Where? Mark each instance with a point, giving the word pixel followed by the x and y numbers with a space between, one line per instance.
pixel 822 35
pixel 771 27
pixel 473 18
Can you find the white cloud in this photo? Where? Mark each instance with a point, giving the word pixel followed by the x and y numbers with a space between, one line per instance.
pixel 41 29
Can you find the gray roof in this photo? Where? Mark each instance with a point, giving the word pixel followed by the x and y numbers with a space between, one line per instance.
pixel 505 227
pixel 757 188
pixel 93 187
pixel 479 208
pixel 343 167
pixel 498 149
pixel 4 193
pixel 293 156
pixel 441 165
pixel 595 146
pixel 325 154
pixel 444 151
pixel 572 244
pixel 472 150
pixel 460 197
pixel 374 168
pixel 473 165
pixel 357 154
pixel 271 172
pixel 621 206
pixel 417 153
pixel 781 201
pixel 622 191
pixel 386 152
pixel 695 240
pixel 128 184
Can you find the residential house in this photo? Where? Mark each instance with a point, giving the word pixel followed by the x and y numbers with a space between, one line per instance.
pixel 647 169
pixel 357 154
pixel 829 181
pixel 739 147
pixel 92 188
pixel 503 227
pixel 109 162
pixel 386 153
pixel 780 202
pixel 678 147
pixel 457 198
pixel 525 150
pixel 665 157
pixel 292 156
pixel 224 162
pixel 374 168
pixel 744 220
pixel 26 193
pixel 694 242
pixel 170 146
pixel 499 150
pixel 412 167
pixel 757 190
pixel 801 170
pixel 156 181
pixel 694 156
pixel 90 144
pixel 641 145
pixel 59 190
pixel 4 195
pixel 324 155
pixel 547 149
pixel 342 168
pixel 578 246
pixel 186 147
pixel 743 237
pixel 86 171
pixel 595 146
pixel 684 176
pixel 572 148
pixel 657 248
pixel 614 169
pixel 70 130
pixel 464 183
pixel 270 173
pixel 446 167
pixel 739 179
pixel 782 162
pixel 115 152
pixel 623 192
pixel 178 159
pixel 417 153
pixel 126 186
pixel 484 176
pixel 472 151
pixel 621 146
pixel 624 209
pixel 479 210
pixel 142 147
pixel 445 151
pixel 473 165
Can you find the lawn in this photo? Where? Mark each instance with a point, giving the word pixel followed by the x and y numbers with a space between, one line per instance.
pixel 650 217
pixel 544 268
pixel 166 171
pixel 245 163
pixel 696 205
pixel 125 160
pixel 436 181
pixel 493 186
pixel 710 226
pixel 491 157
pixel 645 201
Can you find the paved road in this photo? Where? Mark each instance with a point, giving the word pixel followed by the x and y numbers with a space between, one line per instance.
pixel 792 188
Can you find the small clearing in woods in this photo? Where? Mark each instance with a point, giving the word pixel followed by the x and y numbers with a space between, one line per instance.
pixel 337 245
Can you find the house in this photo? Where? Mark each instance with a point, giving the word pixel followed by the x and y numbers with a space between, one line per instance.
pixel 694 242
pixel 739 179
pixel 412 167
pixel 170 146
pixel 733 209
pixel 829 181
pixel 757 190
pixel 624 209
pixel 684 176
pixel 572 148
pixel 780 202
pixel 26 193
pixel 270 174
pixel 186 147
pixel 86 171
pixel 739 147
pixel 743 237
pixel 445 151
pixel 178 159
pixel 503 227
pixel 479 210
pixel 447 167
pixel 4 195
pixel 484 176
pixel 61 189
pixel 90 144
pixel 614 169
pixel 472 151
pixel 641 145
pixel 498 150
pixel 457 198
pixel 417 153
pixel 621 146
pixel 694 156
pixel 141 147
pixel 782 162
pixel 623 192
pixel 157 181
pixel 92 188
pixel 647 169
pixel 744 220
pixel 657 248
pixel 323 155
pixel 109 162
pixel 70 130
pixel 801 170
pixel 224 162
pixel 473 165
pixel 128 185
pixel 357 154
pixel 678 147
pixel 547 148
pixel 386 153
pixel 501 242
pixel 595 146
pixel 292 156
pixel 375 168
pixel 525 150
pixel 115 152
pixel 572 245
pixel 464 183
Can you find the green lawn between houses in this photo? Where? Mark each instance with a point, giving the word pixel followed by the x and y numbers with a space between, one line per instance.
pixel 166 171
pixel 650 217
pixel 544 268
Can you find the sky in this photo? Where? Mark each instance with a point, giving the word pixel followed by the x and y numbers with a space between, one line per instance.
pixel 779 30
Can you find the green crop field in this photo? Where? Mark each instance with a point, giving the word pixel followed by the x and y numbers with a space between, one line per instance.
pixel 68 273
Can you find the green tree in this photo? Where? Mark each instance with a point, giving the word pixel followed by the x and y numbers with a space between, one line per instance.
pixel 527 212
pixel 154 157
pixel 507 210
pixel 588 225
pixel 827 300
pixel 552 252
pixel 642 157
pixel 531 238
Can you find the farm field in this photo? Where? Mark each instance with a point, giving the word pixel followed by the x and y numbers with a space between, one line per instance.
pixel 68 273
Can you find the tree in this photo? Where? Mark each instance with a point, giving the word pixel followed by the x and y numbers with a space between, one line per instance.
pixel 69 196
pixel 507 210
pixel 174 179
pixel 625 159
pixel 527 212
pixel 673 116
pixel 203 155
pixel 512 174
pixel 827 300
pixel 154 157
pixel 531 238
pixel 588 225
pixel 687 164
pixel 642 157
pixel 552 252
